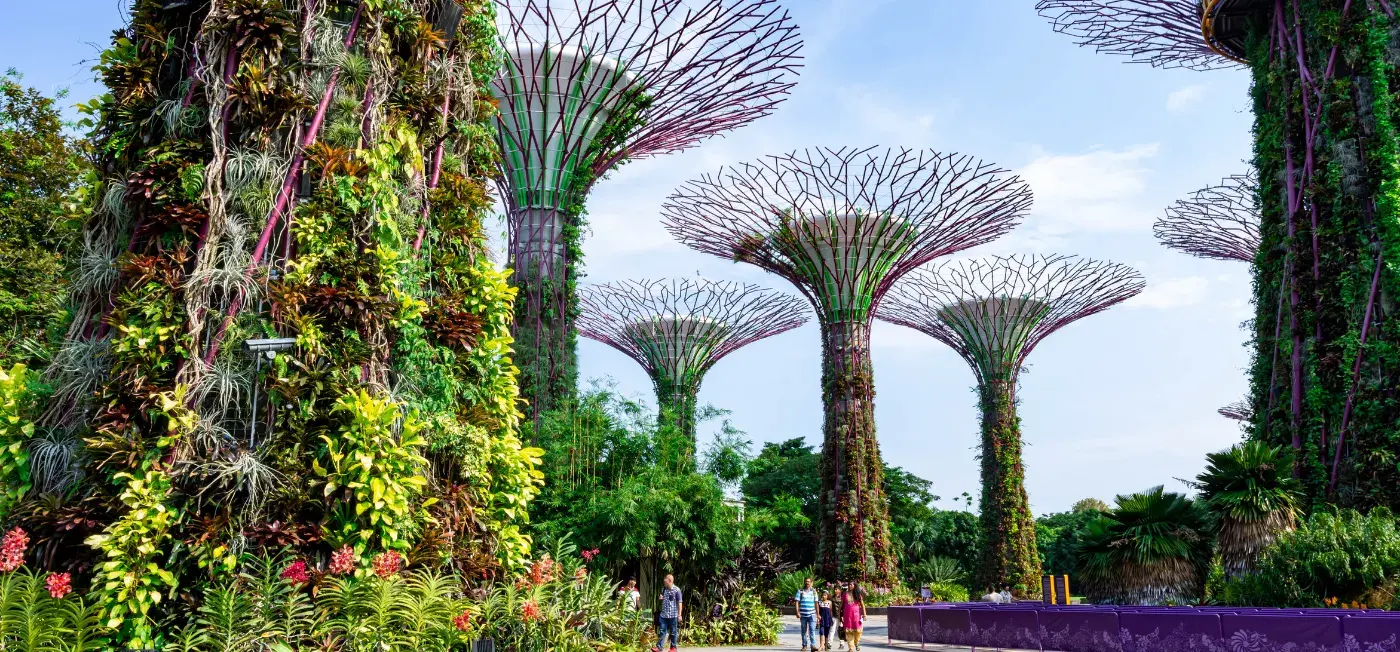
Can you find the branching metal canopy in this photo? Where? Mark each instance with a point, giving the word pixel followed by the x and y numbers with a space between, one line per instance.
pixel 841 224
pixel 1219 222
pixel 678 329
pixel 994 311
pixel 677 73
pixel 1161 33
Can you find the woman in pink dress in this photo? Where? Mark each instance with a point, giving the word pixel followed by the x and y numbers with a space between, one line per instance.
pixel 853 615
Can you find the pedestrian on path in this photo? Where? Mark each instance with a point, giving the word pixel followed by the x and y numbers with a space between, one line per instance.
pixel 853 616
pixel 841 609
pixel 824 617
pixel 669 622
pixel 806 602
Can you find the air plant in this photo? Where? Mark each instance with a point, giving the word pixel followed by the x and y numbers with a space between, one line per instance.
pixel 81 367
pixel 244 475
pixel 227 380
pixel 53 460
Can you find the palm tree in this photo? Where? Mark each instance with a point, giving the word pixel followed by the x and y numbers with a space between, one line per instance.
pixel 1151 548
pixel 1251 490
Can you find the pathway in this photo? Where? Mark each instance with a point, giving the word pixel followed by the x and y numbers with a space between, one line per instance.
pixel 791 639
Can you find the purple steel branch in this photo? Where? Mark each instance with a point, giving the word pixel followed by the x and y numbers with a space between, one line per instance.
pixel 1219 222
pixel 1161 33
pixel 746 313
pixel 1019 301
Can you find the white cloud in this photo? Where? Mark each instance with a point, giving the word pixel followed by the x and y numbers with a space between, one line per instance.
pixel 878 115
pixel 1182 99
pixel 1171 293
pixel 1095 191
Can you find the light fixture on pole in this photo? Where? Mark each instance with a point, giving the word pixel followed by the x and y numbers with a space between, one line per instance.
pixel 258 350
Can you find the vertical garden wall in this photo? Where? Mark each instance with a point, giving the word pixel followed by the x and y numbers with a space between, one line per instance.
pixel 1324 374
pixel 310 178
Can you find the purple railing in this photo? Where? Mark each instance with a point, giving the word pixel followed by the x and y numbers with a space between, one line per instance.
pixel 1086 628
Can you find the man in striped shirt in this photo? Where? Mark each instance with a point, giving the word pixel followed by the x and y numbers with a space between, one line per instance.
pixel 806 601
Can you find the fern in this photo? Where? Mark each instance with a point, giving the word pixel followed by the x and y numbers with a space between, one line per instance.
pixel 226 619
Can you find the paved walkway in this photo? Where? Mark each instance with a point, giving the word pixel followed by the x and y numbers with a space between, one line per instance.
pixel 791 639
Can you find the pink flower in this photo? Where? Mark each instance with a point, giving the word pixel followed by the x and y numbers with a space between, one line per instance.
pixel 463 622
pixel 581 574
pixel 343 561
pixel 387 564
pixel 296 572
pixel 529 611
pixel 588 555
pixel 12 549
pixel 59 585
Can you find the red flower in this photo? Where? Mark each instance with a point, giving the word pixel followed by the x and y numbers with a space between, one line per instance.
pixel 542 571
pixel 463 622
pixel 387 564
pixel 12 549
pixel 529 611
pixel 59 585
pixel 296 572
pixel 343 561
pixel 588 555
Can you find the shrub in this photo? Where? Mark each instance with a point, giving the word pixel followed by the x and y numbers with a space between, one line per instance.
pixel 949 592
pixel 1152 548
pixel 746 622
pixel 1343 556
pixel 787 585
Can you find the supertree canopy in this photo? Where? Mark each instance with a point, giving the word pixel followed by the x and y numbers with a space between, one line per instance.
pixel 1237 411
pixel 1325 139
pixel 842 225
pixel 993 313
pixel 677 330
pixel 1219 222
pixel 1161 33
pixel 591 84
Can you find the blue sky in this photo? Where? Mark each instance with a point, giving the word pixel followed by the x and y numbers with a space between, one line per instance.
pixel 1115 403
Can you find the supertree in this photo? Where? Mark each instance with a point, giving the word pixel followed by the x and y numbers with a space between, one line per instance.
pixel 262 355
pixel 994 312
pixel 1219 222
pixel 677 330
pixel 1325 143
pixel 842 225
pixel 589 85
pixel 1237 411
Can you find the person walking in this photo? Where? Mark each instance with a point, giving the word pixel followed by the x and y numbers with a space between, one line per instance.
pixel 630 596
pixel 806 603
pixel 824 621
pixel 853 616
pixel 840 609
pixel 669 621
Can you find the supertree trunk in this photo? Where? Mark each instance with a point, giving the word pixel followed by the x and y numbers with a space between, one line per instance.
pixel 676 406
pixel 1009 556
pixel 546 342
pixel 1324 374
pixel 855 537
